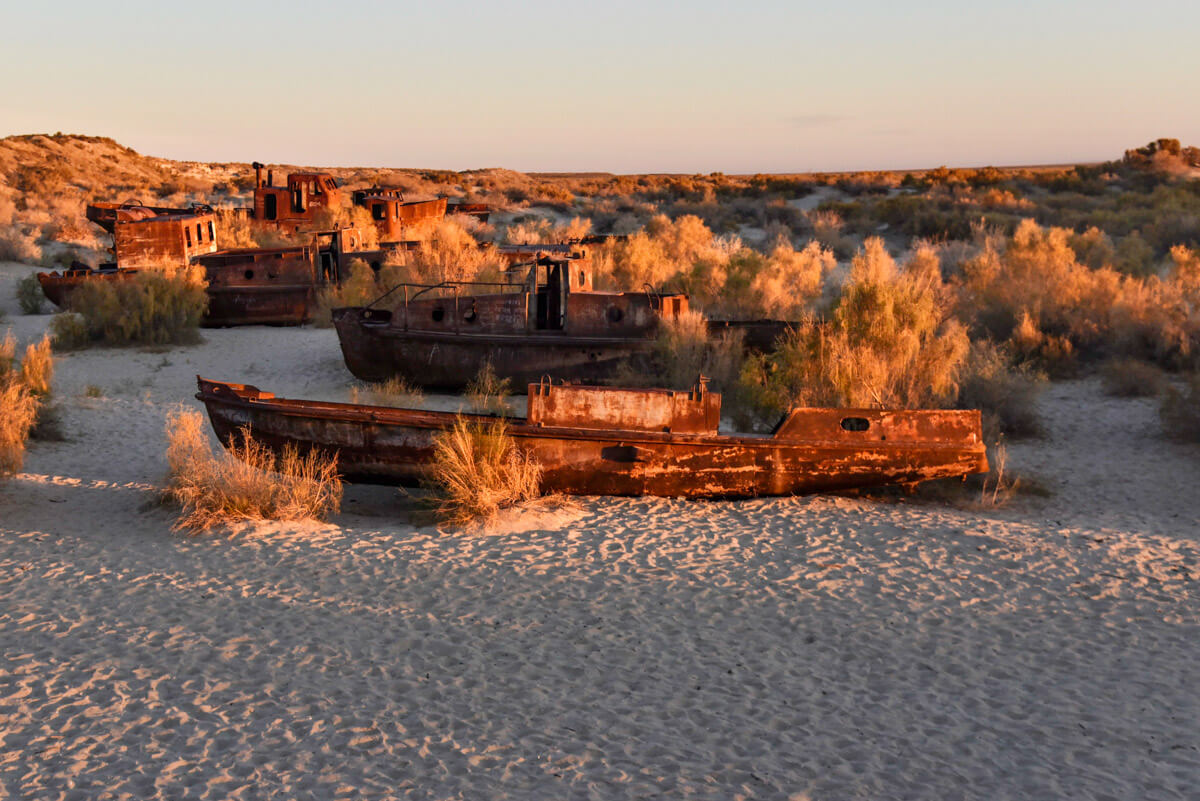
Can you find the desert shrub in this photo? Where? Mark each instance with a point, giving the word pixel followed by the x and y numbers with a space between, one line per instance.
pixel 358 217
pixel 827 226
pixel 449 252
pixel 23 390
pixel 149 308
pixel 1180 411
pixel 488 392
pixel 37 368
pixel 684 249
pixel 476 470
pixel 540 230
pixel 791 280
pixel 395 391
pixel 1005 395
pixel 17 244
pixel 247 482
pixel 359 288
pixel 1094 248
pixel 69 331
pixel 1130 378
pixel 888 343
pixel 30 297
pixel 18 411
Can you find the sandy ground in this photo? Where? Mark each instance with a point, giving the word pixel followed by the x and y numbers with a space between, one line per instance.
pixel 807 648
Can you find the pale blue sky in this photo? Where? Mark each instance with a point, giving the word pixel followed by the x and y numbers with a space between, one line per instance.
pixel 616 86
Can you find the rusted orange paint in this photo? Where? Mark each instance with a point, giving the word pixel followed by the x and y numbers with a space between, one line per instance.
pixel 606 441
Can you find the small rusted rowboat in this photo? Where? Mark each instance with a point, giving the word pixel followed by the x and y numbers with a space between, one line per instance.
pixel 607 441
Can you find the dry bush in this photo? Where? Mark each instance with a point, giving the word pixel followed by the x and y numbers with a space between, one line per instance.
pixel 791 281
pixel 236 229
pixel 24 388
pixel 37 368
pixel 18 411
pixel 998 485
pixel 358 288
pixel 358 217
pixel 247 482
pixel 827 228
pixel 17 244
pixel 396 391
pixel 30 297
pixel 449 252
pixel 477 470
pixel 541 230
pixel 1005 395
pixel 889 343
pixel 489 393
pixel 1032 289
pixel 149 308
pixel 1129 378
pixel 1180 411
pixel 684 250
pixel 8 353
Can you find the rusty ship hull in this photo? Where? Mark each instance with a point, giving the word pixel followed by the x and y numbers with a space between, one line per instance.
pixel 583 453
pixel 450 360
pixel 58 287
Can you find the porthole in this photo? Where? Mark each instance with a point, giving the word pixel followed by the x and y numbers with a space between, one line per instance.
pixel 439 314
pixel 471 316
pixel 855 423
pixel 615 314
pixel 249 275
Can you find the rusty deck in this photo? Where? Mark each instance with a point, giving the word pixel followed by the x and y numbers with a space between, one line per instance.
pixel 607 441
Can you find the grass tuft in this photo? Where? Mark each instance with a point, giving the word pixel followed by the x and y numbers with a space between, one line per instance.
pixel 395 391
pixel 24 388
pixel 488 393
pixel 248 482
pixel 477 470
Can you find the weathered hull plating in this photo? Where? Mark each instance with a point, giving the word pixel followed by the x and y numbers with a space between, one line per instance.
pixel 259 305
pixel 392 446
pixel 448 360
pixel 58 287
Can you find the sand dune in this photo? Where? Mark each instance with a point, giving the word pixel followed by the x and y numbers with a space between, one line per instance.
pixel 822 648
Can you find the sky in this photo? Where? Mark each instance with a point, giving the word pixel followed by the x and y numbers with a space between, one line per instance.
pixel 627 87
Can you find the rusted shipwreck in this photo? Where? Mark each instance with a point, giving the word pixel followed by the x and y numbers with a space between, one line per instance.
pixel 299 204
pixel 548 320
pixel 273 286
pixel 551 322
pixel 396 218
pixel 608 441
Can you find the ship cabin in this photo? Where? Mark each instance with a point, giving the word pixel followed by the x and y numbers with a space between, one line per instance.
pixel 150 240
pixel 296 205
pixel 550 295
pixel 395 217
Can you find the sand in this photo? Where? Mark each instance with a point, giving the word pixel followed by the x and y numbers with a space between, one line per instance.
pixel 807 648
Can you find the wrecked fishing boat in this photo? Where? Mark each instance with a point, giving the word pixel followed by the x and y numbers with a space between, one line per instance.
pixel 608 441
pixel 552 322
pixel 275 286
pixel 246 286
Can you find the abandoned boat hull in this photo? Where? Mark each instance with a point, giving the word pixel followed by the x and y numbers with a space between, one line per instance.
pixel 259 305
pixel 450 361
pixel 58 287
pixel 392 446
